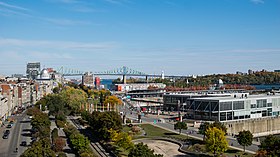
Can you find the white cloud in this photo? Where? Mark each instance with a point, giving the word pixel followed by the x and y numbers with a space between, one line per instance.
pixel 8 10
pixel 119 2
pixel 256 50
pixel 6 5
pixel 257 1
pixel 62 45
pixel 66 21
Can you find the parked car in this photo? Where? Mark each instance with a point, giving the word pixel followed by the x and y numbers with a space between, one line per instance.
pixel 23 143
pixel 7 131
pixel 6 135
pixel 9 126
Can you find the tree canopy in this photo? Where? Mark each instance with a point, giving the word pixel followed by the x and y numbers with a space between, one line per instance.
pixel 245 138
pixel 74 98
pixel 142 150
pixel 180 126
pixel 215 140
pixel 271 145
pixel 41 148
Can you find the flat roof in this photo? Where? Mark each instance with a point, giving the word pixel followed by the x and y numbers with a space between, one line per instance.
pixel 249 97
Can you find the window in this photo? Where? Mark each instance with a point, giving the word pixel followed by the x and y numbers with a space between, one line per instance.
pixel 253 105
pixel 225 106
pixel 214 106
pixel 229 115
pixel 261 103
pixel 237 105
pixel 222 116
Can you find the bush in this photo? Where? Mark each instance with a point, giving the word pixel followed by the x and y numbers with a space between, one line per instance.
pixel 135 129
pixel 54 133
pixel 59 144
pixel 69 130
pixel 60 124
pixel 61 154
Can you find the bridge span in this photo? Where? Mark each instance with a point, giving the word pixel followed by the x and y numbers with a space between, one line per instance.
pixel 122 71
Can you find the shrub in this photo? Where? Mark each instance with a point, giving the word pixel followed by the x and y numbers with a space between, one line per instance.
pixel 61 154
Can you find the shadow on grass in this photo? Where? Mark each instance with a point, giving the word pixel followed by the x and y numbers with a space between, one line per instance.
pixel 170 133
pixel 232 151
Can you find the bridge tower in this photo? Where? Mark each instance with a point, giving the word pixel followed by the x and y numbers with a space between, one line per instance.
pixel 124 79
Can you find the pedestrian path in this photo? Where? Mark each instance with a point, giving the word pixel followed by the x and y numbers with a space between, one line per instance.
pixel 67 150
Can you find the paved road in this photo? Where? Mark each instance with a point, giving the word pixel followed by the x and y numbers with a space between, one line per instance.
pixel 169 126
pixel 18 133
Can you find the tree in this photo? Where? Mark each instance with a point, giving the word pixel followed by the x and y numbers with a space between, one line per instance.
pixel 56 105
pixel 271 145
pixel 202 129
pixel 141 150
pixel 245 138
pixel 58 144
pixel 40 120
pixel 102 122
pixel 75 98
pixel 215 140
pixel 219 125
pixel 41 148
pixel 113 100
pixel 79 142
pixel 121 139
pixel 180 126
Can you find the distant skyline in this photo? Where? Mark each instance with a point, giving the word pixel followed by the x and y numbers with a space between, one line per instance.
pixel 179 37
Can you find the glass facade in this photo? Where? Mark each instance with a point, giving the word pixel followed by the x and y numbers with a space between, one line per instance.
pixel 223 109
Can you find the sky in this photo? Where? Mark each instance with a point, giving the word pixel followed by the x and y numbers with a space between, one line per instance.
pixel 179 37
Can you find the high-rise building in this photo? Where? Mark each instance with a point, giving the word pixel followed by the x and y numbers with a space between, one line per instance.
pixel 87 79
pixel 33 70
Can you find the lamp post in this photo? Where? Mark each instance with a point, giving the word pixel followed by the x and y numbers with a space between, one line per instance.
pixel 179 113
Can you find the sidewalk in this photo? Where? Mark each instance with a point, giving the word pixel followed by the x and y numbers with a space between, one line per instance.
pixel 67 150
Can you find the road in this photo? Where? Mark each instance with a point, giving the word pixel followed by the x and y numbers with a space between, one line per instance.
pixel 18 133
pixel 169 126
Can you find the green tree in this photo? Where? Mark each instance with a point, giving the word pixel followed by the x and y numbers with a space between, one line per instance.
pixel 245 138
pixel 202 129
pixel 75 99
pixel 102 122
pixel 56 105
pixel 180 126
pixel 41 148
pixel 141 150
pixel 79 142
pixel 215 140
pixel 271 145
pixel 40 120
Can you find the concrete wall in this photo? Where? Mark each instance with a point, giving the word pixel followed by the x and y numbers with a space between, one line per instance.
pixel 258 127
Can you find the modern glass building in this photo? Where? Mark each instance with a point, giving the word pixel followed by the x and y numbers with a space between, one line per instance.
pixel 227 107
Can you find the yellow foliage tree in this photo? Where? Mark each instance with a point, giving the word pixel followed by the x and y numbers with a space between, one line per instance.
pixel 121 139
pixel 113 100
pixel 216 141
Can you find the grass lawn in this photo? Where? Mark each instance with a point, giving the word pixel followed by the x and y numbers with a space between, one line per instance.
pixel 153 131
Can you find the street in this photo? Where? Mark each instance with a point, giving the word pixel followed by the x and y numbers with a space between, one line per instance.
pixel 18 133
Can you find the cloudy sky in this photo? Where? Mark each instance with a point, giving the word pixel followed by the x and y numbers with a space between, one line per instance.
pixel 181 37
